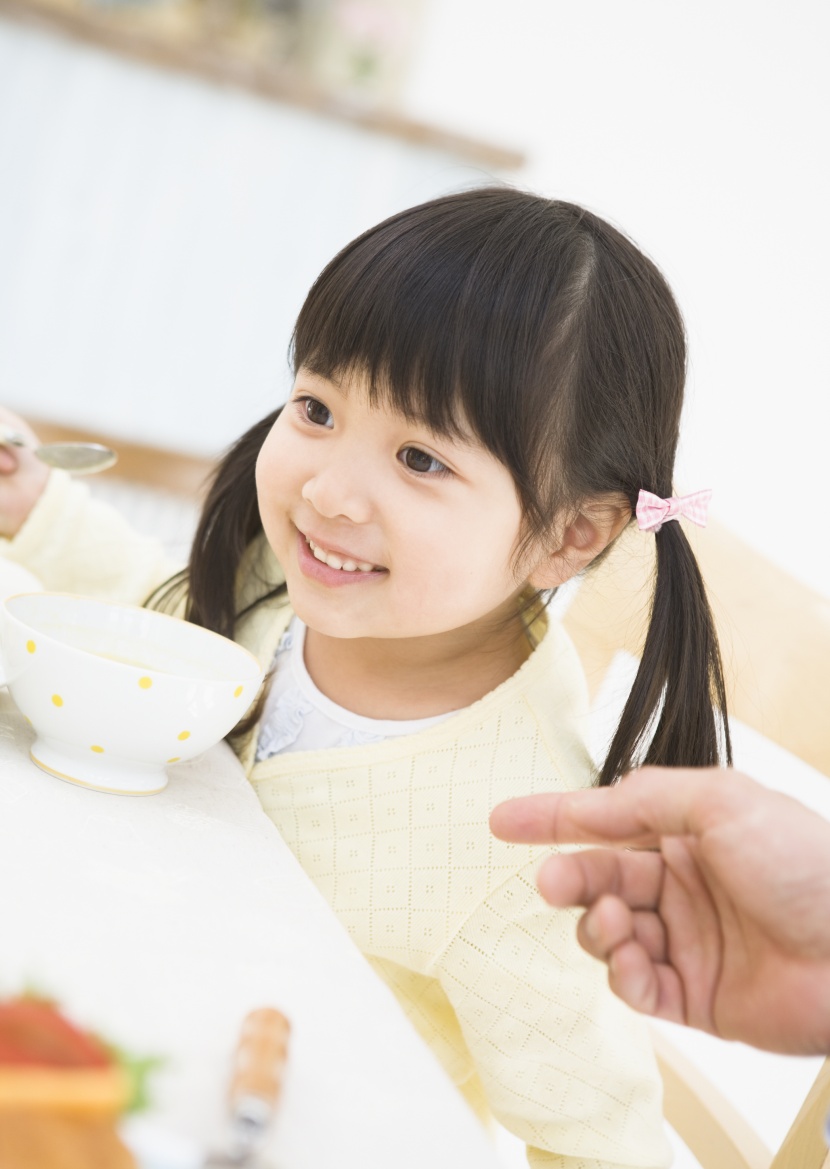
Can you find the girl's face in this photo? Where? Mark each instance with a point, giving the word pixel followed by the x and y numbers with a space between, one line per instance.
pixel 383 528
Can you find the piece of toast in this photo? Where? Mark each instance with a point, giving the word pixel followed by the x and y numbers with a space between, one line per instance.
pixel 94 1092
pixel 40 1139
pixel 61 1093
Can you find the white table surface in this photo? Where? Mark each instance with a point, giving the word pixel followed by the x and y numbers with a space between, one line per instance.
pixel 160 921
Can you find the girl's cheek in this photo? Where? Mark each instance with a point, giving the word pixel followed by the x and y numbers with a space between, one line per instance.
pixel 267 463
pixel 267 486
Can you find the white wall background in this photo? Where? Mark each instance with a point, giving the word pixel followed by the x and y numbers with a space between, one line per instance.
pixel 158 235
pixel 701 129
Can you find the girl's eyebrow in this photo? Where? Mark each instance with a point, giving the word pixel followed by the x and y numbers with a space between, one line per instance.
pixel 306 376
pixel 462 438
pixel 461 433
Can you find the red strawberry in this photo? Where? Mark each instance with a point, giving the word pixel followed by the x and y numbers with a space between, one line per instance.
pixel 34 1033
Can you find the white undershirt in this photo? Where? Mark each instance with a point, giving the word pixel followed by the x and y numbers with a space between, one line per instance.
pixel 298 717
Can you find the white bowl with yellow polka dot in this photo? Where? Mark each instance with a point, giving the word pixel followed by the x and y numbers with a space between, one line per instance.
pixel 116 693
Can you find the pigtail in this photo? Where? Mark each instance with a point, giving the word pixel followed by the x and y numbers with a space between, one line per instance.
pixel 675 715
pixel 228 523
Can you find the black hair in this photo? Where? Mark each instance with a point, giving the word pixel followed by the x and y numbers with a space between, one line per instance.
pixel 560 345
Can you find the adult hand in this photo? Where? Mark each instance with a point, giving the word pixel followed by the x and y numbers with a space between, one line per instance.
pixel 22 476
pixel 724 926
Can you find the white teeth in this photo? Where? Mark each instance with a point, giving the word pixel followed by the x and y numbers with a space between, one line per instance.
pixel 335 561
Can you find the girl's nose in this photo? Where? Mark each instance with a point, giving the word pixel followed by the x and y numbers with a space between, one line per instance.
pixel 335 493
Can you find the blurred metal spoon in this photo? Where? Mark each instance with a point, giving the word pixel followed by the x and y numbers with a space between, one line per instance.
pixel 81 458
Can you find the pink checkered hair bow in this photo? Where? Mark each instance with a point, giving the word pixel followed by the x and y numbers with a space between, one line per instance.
pixel 653 512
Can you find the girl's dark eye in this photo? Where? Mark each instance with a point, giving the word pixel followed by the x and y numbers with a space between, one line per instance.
pixel 421 462
pixel 316 412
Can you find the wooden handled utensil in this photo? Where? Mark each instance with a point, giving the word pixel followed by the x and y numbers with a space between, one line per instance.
pixel 255 1087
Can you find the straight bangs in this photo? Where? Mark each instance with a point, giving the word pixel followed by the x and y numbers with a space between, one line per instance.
pixel 451 311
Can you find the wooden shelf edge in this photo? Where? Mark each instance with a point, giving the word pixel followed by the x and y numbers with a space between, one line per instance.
pixel 209 62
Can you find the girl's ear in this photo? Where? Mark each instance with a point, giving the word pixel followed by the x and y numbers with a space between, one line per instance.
pixel 597 525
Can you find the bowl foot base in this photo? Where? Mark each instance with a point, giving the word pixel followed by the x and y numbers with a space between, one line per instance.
pixel 100 772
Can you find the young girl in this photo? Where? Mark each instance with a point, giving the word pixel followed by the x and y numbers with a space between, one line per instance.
pixel 484 385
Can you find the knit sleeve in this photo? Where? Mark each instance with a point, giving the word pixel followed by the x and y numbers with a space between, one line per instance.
pixel 564 1064
pixel 77 544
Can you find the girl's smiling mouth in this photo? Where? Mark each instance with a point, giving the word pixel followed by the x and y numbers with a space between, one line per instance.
pixel 333 568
